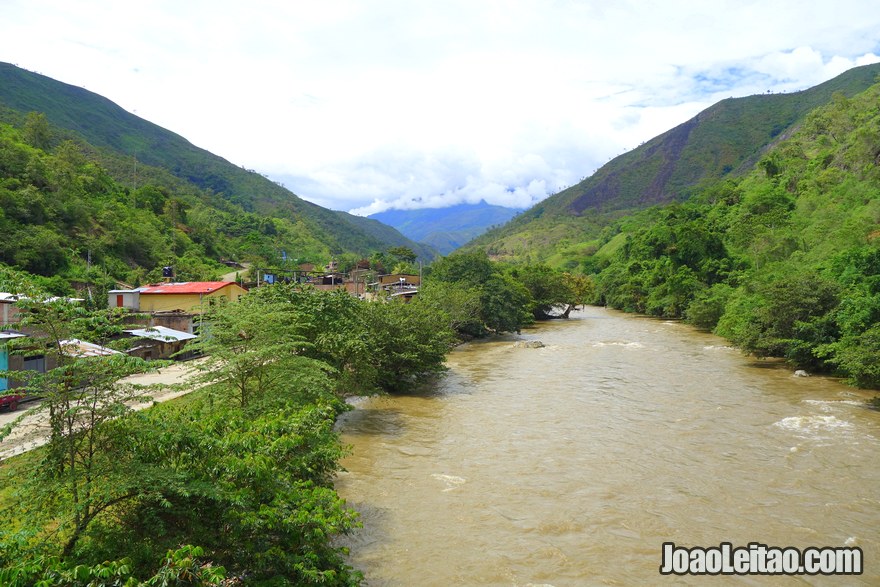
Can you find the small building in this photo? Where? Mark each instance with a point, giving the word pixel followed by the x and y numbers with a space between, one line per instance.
pixel 124 298
pixel 36 358
pixel 332 279
pixel 158 342
pixel 401 280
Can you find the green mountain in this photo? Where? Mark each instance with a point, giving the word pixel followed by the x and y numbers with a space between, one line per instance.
pixel 783 260
pixel 724 140
pixel 136 151
pixel 446 229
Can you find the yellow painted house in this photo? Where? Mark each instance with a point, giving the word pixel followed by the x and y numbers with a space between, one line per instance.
pixel 192 297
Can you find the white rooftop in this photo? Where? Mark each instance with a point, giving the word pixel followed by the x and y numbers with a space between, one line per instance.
pixel 80 348
pixel 10 334
pixel 161 333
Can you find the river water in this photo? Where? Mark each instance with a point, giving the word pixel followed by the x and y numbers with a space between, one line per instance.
pixel 571 464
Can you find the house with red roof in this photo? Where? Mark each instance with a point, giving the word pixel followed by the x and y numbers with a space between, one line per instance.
pixel 190 297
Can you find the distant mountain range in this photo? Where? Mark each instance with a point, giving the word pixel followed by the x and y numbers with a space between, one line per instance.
pixel 128 145
pixel 447 229
pixel 726 139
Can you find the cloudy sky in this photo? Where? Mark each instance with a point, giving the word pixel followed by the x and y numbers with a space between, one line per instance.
pixel 364 105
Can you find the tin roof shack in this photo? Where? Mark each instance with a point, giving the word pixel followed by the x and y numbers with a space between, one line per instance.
pixel 159 342
pixel 41 363
pixel 31 356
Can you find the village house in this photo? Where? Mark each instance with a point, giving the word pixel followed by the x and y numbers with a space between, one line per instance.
pixel 174 305
pixel 192 297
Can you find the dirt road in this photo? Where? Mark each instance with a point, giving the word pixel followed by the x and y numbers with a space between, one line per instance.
pixel 32 431
pixel 233 275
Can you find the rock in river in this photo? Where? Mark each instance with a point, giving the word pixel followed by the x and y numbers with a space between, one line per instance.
pixel 528 344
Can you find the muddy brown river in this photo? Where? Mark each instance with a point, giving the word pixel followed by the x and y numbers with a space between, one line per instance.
pixel 572 464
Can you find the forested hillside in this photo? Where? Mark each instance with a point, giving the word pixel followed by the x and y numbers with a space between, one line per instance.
pixel 64 216
pixel 137 153
pixel 784 261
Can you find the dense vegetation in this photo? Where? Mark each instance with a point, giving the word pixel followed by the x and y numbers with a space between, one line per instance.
pixel 68 220
pixel 784 262
pixel 65 217
pixel 480 296
pixel 243 467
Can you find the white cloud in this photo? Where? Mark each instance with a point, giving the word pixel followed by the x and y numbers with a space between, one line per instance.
pixel 369 104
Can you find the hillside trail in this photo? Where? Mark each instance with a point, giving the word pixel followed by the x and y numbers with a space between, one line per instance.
pixel 32 431
pixel 233 275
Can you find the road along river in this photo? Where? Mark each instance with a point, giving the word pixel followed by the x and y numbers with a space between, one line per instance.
pixel 572 464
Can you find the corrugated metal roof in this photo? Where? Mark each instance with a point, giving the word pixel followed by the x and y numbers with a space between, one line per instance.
pixel 186 287
pixel 10 334
pixel 8 297
pixel 161 333
pixel 80 348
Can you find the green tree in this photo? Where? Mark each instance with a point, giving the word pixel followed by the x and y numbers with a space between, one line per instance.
pixel 550 290
pixel 472 268
pixel 459 303
pixel 505 304
pixel 36 131
pixel 858 356
pixel 707 307
pixel 583 288
pixel 182 567
pixel 403 254
pixel 334 325
pixel 81 477
pixel 249 344
pixel 787 317
pixel 409 342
